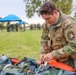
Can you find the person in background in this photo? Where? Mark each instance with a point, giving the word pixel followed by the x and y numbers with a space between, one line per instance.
pixel 58 40
pixel 8 26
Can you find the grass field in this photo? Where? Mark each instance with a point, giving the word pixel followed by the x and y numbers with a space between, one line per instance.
pixel 20 44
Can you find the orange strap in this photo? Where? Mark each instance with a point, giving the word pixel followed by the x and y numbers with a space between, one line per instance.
pixel 60 65
pixel 14 60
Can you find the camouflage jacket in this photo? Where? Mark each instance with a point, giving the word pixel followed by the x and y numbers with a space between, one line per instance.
pixel 60 38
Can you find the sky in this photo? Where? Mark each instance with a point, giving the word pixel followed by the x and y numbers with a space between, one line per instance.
pixel 17 7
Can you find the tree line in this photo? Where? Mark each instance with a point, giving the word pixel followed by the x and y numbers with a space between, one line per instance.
pixel 33 6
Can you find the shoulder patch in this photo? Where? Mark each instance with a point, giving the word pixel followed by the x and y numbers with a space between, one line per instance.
pixel 71 35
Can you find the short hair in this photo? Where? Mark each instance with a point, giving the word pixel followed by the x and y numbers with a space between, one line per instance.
pixel 47 8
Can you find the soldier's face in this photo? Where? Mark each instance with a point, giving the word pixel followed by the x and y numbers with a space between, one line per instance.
pixel 51 19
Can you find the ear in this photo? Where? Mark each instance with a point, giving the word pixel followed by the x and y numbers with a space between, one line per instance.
pixel 55 12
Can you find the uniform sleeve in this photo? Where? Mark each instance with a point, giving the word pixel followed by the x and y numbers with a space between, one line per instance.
pixel 69 32
pixel 44 39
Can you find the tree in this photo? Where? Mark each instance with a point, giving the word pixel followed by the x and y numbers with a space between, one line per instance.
pixel 75 15
pixel 32 6
pixel 74 12
pixel 1 25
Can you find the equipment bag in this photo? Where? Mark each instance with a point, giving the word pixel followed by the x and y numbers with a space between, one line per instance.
pixel 5 60
pixel 26 66
pixel 46 70
pixel 30 63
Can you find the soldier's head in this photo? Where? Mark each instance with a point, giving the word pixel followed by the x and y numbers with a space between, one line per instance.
pixel 49 12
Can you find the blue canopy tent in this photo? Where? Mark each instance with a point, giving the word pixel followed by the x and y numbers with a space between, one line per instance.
pixel 10 18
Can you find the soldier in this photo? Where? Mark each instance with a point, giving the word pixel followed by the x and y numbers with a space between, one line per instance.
pixel 8 26
pixel 58 40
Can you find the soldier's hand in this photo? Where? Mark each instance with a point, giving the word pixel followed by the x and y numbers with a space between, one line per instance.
pixel 42 58
pixel 46 57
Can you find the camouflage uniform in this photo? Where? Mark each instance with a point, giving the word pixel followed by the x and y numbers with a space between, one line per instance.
pixel 60 38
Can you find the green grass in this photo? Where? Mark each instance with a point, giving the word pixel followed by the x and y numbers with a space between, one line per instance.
pixel 20 44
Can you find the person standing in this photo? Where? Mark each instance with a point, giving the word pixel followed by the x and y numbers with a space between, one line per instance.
pixel 8 26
